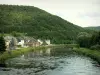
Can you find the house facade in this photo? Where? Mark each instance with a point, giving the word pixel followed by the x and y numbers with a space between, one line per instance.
pixel 13 43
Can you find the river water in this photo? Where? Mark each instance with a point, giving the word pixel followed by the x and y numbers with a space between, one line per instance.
pixel 52 61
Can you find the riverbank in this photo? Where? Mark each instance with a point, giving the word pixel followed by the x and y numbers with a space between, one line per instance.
pixel 94 54
pixel 14 53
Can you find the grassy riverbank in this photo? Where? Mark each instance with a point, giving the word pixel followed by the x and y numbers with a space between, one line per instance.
pixel 14 53
pixel 94 54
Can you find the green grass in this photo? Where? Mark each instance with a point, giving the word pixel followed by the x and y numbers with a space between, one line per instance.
pixel 94 54
pixel 14 53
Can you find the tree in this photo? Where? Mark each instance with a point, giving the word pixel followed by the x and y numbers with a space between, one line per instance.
pixel 95 39
pixel 18 20
pixel 15 34
pixel 83 39
pixel 2 44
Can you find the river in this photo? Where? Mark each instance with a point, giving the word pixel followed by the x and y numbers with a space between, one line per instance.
pixel 52 61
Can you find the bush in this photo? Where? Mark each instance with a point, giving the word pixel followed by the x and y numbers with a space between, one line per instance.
pixel 2 44
pixel 83 39
pixel 19 46
pixel 95 47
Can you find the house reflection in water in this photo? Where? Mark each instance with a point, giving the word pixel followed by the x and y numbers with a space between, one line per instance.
pixel 48 51
pixel 37 53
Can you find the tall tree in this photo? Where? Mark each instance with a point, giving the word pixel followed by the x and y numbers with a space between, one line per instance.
pixel 95 39
pixel 2 44
pixel 83 39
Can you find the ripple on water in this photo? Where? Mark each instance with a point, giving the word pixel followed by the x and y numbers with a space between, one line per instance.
pixel 52 64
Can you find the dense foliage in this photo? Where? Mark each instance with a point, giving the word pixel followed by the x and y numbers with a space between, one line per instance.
pixel 83 39
pixel 2 44
pixel 32 21
pixel 89 41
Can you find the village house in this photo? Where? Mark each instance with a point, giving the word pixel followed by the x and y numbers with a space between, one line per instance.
pixel 48 42
pixel 44 42
pixel 7 44
pixel 41 42
pixel 20 42
pixel 11 42
pixel 29 42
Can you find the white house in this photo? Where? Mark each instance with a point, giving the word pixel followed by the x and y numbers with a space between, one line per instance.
pixel 41 42
pixel 47 41
pixel 7 42
pixel 21 43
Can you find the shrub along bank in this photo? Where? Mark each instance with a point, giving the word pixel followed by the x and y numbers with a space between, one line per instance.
pixel 94 54
pixel 13 53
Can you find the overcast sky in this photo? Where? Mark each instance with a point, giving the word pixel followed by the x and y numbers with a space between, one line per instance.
pixel 80 12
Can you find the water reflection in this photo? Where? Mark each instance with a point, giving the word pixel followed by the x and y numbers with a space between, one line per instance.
pixel 49 52
pixel 3 65
pixel 52 61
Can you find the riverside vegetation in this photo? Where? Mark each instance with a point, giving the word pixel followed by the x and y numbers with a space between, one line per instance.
pixel 94 54
pixel 89 41
pixel 89 45
pixel 37 23
pixel 13 53
pixel 10 54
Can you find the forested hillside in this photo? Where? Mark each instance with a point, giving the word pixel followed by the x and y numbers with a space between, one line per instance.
pixel 93 28
pixel 37 23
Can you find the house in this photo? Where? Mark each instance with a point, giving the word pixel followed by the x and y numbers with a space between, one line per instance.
pixel 21 43
pixel 27 42
pixel 44 42
pixel 7 41
pixel 14 42
pixel 31 42
pixel 37 44
pixel 41 42
pixel 11 42
pixel 48 42
pixel 7 44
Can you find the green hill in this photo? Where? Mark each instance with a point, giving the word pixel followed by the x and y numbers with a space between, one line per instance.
pixel 37 23
pixel 93 28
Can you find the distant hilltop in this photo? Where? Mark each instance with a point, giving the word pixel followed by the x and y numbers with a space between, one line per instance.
pixel 96 28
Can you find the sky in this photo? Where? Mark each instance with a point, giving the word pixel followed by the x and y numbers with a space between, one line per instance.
pixel 83 13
